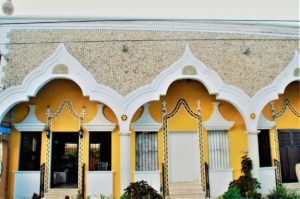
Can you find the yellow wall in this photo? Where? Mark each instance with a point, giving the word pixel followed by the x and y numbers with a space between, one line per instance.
pixel 56 91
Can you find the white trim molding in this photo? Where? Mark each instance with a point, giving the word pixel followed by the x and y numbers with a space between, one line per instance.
pixel 264 123
pixel 100 123
pixel 146 122
pixel 217 121
pixel 31 122
pixel 249 27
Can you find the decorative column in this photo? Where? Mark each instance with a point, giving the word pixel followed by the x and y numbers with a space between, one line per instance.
pixel 81 165
pixel 253 152
pixel 125 158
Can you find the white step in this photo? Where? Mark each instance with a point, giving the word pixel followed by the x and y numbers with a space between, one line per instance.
pixel 293 187
pixel 61 193
pixel 185 190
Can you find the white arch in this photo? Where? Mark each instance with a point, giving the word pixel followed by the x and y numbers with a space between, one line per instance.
pixel 44 74
pixel 205 75
pixel 277 87
pixel 129 105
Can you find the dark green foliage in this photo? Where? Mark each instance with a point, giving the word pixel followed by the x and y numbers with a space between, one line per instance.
pixel 141 190
pixel 123 197
pixel 246 184
pixel 232 193
pixel 282 193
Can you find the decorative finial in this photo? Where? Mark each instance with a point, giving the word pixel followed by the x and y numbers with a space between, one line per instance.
pixel 272 110
pixel 83 112
pixel 48 112
pixel 164 107
pixel 199 106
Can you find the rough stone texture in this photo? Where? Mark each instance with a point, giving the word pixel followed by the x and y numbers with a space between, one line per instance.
pixel 151 52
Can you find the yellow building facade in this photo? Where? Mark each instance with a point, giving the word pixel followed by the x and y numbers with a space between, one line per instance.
pixel 69 134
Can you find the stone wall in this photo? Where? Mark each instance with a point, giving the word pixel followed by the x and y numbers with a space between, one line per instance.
pixel 151 52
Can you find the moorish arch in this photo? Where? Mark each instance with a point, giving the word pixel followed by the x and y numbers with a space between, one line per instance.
pixel 62 65
pixel 271 92
pixel 189 67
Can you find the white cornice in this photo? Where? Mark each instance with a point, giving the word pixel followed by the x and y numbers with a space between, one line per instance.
pixel 31 122
pixel 284 29
pixel 216 120
pixel 100 123
pixel 146 122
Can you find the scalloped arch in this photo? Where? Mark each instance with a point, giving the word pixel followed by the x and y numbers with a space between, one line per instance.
pixel 129 104
pixel 277 87
pixel 203 74
pixel 44 74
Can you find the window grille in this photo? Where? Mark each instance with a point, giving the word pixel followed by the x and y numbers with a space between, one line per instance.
pixel 218 149
pixel 146 151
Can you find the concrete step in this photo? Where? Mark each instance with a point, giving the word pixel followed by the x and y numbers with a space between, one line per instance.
pixel 185 190
pixel 293 187
pixel 61 193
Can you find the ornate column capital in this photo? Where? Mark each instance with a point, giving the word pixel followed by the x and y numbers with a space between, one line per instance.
pixel 253 132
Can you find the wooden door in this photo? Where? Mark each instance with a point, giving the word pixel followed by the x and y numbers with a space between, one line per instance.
pixel 289 146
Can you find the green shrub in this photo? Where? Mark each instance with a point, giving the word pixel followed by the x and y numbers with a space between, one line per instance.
pixel 232 193
pixel 246 184
pixel 141 190
pixel 282 193
pixel 123 197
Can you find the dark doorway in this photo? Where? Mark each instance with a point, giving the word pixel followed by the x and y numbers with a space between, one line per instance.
pixel 64 172
pixel 289 145
pixel 264 149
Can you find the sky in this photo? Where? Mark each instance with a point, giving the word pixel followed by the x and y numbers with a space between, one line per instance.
pixel 201 9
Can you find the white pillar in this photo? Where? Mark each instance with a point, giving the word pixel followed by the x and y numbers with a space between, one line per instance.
pixel 253 152
pixel 125 160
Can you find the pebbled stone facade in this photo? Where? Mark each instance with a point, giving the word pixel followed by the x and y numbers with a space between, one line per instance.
pixel 149 53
